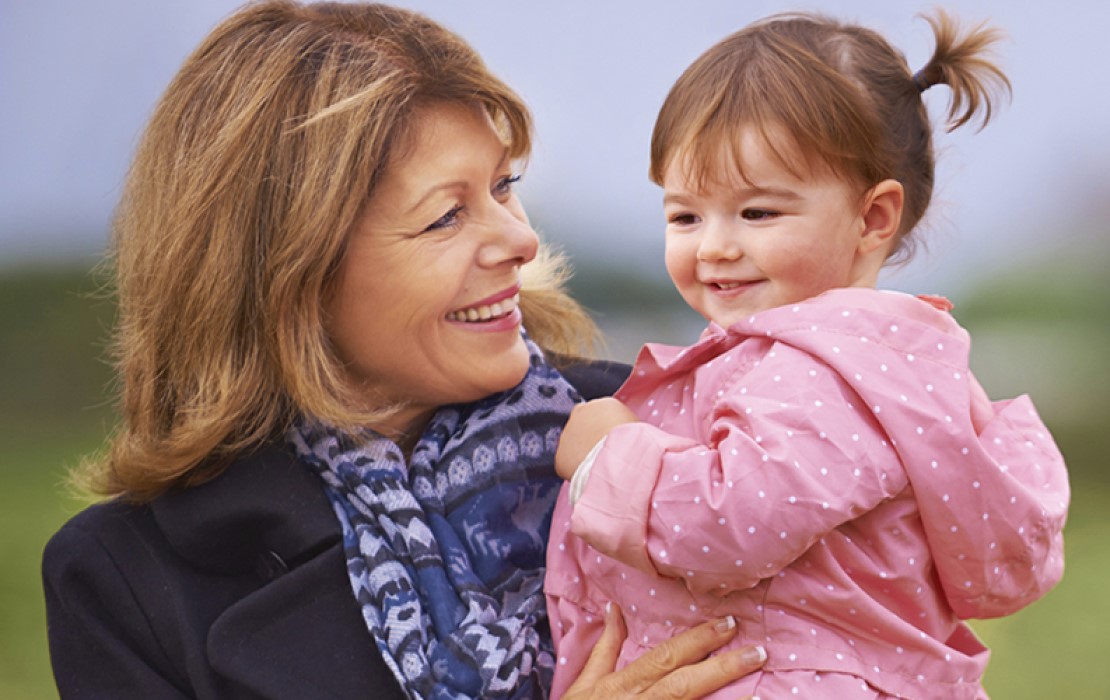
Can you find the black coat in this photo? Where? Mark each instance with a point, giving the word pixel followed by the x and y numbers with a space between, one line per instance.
pixel 236 588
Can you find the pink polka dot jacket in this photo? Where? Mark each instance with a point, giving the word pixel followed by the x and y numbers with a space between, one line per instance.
pixel 830 474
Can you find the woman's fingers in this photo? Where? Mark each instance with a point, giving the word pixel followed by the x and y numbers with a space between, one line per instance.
pixel 696 680
pixel 678 668
pixel 603 658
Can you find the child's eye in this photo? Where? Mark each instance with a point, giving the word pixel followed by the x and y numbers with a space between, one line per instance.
pixel 447 220
pixel 682 219
pixel 504 186
pixel 758 214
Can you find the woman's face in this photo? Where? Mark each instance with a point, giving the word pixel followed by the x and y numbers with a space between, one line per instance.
pixel 425 310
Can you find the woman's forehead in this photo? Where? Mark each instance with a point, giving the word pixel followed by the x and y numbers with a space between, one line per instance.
pixel 449 145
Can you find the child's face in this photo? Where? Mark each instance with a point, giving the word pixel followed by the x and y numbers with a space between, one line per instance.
pixel 736 247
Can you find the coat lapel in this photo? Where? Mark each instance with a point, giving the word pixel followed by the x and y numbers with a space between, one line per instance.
pixel 273 640
pixel 300 634
pixel 265 504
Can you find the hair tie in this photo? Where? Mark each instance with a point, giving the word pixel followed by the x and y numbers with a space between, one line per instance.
pixel 921 81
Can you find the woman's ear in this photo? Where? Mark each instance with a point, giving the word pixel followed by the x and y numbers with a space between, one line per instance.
pixel 881 215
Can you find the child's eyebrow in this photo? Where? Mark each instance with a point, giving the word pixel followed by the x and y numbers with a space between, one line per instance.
pixel 739 193
pixel 776 192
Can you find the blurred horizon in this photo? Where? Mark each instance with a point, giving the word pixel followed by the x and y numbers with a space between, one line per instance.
pixel 1041 331
pixel 82 78
pixel 1018 236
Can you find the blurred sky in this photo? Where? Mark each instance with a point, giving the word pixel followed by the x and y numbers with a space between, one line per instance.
pixel 79 79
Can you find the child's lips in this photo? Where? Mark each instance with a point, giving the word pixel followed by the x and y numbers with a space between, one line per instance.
pixel 726 286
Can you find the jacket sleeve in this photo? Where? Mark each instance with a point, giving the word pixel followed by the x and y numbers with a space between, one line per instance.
pixel 777 470
pixel 997 533
pixel 101 641
pixel 575 633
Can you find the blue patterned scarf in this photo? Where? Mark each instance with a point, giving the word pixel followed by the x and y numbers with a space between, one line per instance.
pixel 446 553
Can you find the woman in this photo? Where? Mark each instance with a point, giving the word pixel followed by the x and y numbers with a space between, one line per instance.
pixel 333 474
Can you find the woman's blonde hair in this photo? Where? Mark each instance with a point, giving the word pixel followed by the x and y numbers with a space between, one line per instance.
pixel 841 92
pixel 255 165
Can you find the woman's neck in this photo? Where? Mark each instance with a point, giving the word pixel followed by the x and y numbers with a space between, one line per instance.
pixel 405 427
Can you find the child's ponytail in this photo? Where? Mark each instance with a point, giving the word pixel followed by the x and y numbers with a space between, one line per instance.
pixel 963 63
pixel 845 96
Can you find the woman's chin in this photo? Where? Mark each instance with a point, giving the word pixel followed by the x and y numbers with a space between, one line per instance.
pixel 490 368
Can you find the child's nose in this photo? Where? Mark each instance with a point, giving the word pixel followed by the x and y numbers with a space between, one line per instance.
pixel 719 242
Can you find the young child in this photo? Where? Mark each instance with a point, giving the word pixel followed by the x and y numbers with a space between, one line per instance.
pixel 820 465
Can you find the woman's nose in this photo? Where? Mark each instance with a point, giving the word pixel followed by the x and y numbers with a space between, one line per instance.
pixel 510 238
pixel 719 242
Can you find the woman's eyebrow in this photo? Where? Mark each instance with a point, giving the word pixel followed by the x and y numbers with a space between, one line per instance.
pixel 452 185
pixel 432 191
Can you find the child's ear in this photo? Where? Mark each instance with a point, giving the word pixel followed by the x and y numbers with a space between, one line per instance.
pixel 882 215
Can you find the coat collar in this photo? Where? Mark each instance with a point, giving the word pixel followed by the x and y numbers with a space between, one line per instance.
pixel 274 640
pixel 268 504
pixel 269 513
pixel 818 312
pixel 265 503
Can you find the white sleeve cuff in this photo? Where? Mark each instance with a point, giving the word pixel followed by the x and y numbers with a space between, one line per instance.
pixel 578 481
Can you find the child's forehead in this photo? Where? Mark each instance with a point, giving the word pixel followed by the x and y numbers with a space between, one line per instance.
pixel 742 157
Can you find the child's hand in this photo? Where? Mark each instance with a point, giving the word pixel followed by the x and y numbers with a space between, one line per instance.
pixel 588 423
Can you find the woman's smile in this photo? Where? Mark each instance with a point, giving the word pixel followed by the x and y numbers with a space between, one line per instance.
pixel 501 309
pixel 426 310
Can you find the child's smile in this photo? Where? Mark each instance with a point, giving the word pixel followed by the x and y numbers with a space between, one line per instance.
pixel 736 246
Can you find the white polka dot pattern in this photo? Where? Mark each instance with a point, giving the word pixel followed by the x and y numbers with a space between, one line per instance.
pixel 820 527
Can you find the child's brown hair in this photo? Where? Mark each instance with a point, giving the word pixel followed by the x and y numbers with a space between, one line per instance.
pixel 843 94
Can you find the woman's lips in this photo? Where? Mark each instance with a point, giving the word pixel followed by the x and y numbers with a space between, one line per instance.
pixel 501 307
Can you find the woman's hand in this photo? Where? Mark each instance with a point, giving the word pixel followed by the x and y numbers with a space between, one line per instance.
pixel 587 424
pixel 677 668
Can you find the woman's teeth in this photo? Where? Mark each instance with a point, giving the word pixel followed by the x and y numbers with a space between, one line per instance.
pixel 485 313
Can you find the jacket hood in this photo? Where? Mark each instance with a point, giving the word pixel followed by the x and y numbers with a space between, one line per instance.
pixel 1003 486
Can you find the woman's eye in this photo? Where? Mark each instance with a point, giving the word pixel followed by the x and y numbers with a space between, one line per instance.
pixel 758 214
pixel 447 220
pixel 504 186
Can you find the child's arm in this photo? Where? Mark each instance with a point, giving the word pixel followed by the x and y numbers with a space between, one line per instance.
pixel 588 423
pixel 773 477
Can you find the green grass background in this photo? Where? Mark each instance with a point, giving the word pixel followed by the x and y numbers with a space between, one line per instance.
pixel 1046 332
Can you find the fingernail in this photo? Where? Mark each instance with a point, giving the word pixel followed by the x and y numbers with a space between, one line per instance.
pixel 725 624
pixel 609 607
pixel 754 655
